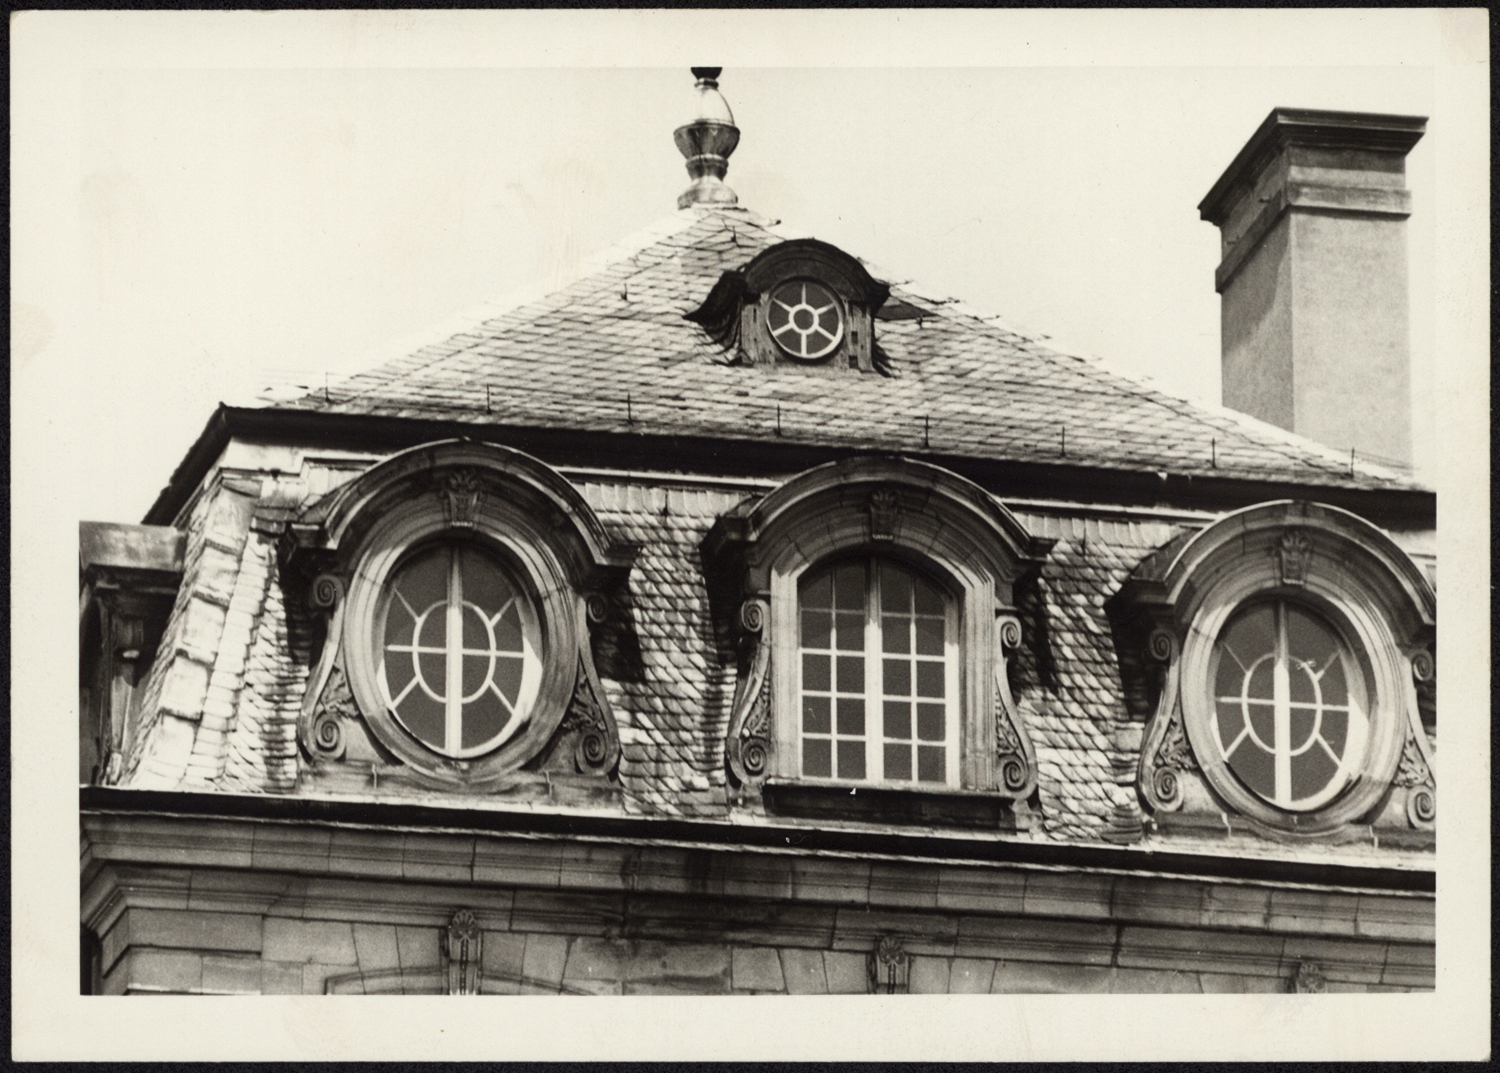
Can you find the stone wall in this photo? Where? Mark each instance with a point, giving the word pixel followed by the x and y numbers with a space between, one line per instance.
pixel 184 905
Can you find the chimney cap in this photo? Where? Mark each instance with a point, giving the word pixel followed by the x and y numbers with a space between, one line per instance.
pixel 1316 128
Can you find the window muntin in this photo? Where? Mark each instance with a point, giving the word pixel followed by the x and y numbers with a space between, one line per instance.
pixel 805 319
pixel 459 650
pixel 1290 705
pixel 878 676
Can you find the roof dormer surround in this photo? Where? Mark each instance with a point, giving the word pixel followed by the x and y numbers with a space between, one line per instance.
pixel 801 302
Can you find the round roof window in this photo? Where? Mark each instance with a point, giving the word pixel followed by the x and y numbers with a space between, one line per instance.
pixel 805 319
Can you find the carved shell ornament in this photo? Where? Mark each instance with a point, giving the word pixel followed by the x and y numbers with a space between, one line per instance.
pixel 459 492
pixel 1292 552
pixel 885 512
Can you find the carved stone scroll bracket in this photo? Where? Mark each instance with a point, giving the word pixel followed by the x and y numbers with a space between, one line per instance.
pixel 1165 753
pixel 1014 756
pixel 328 700
pixel 748 744
pixel 590 715
pixel 1416 771
pixel 463 947
pixel 596 609
pixel 889 967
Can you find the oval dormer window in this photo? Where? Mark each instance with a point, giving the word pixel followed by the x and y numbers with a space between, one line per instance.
pixel 805 319
pixel 460 654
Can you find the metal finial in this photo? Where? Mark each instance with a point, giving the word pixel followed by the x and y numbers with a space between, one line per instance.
pixel 706 142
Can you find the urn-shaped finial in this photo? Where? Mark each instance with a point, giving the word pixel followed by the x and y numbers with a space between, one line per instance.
pixel 706 142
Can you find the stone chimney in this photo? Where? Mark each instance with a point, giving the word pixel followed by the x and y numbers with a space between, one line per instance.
pixel 1316 334
pixel 706 142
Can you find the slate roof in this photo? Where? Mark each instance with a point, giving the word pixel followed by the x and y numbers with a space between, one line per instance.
pixel 570 358
pixel 223 698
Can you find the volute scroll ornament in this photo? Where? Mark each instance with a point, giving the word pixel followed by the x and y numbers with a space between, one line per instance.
pixel 1165 753
pixel 588 714
pixel 748 745
pixel 329 701
pixel 1015 760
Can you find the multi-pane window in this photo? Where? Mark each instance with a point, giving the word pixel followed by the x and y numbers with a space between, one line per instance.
pixel 878 676
pixel 1289 701
pixel 460 663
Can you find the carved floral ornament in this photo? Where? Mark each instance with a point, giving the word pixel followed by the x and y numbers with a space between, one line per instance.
pixel 1335 606
pixel 877 510
pixel 461 508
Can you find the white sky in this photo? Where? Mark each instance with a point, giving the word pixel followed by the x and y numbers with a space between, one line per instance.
pixel 238 215
pixel 198 198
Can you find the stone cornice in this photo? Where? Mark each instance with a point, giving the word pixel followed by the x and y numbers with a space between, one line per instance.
pixel 1312 128
pixel 230 830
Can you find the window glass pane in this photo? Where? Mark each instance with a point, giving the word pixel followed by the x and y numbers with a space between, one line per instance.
pixel 818 592
pixel 508 630
pixel 433 632
pixel 399 625
pixel 851 715
pixel 1335 688
pixel 895 590
pixel 815 672
pixel 849 587
pixel 1307 638
pixel 399 672
pixel 1256 768
pixel 433 669
pixel 897 719
pixel 895 634
pixel 1311 771
pixel 484 584
pixel 898 762
pixel 476 630
pixel 815 758
pixel 424 717
pixel 851 631
pixel 928 600
pixel 816 627
pixel 815 715
pixel 484 718
pixel 851 759
pixel 508 676
pixel 930 636
pixel 424 581
pixel 930 679
pixel 931 763
pixel 851 674
pixel 1335 730
pixel 930 722
pixel 896 678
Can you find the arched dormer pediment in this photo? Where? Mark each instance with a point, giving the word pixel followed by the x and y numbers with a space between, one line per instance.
pixel 456 472
pixel 891 503
pixel 902 526
pixel 802 302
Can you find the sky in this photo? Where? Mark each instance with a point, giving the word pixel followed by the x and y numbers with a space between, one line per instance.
pixel 252 220
pixel 200 199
